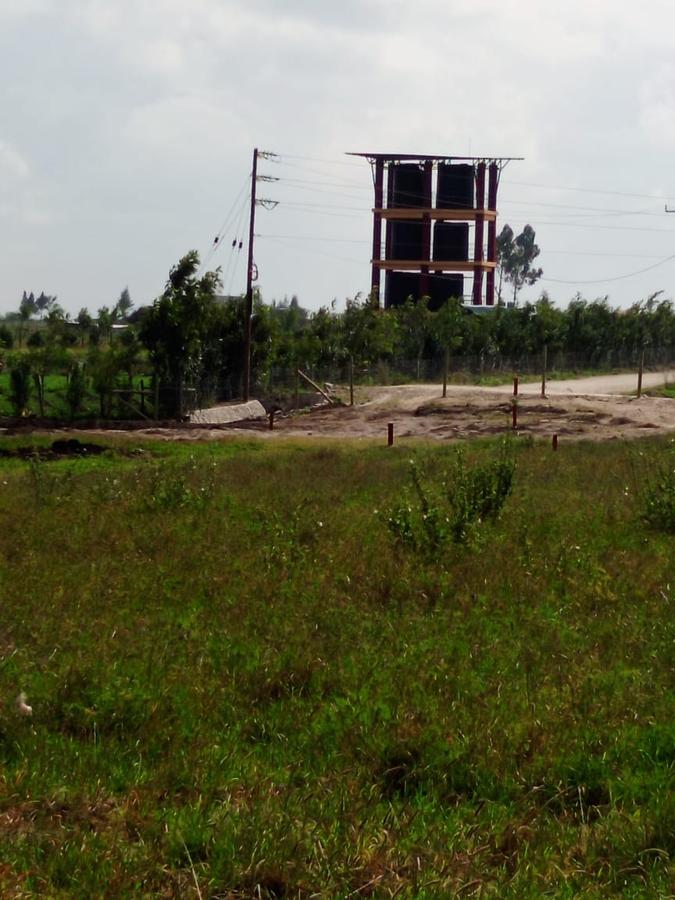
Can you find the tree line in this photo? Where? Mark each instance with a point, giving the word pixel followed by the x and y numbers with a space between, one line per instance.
pixel 189 342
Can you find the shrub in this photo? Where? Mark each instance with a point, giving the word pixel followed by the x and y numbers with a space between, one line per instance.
pixel 430 515
pixel 19 386
pixel 36 340
pixel 76 389
pixel 6 337
pixel 658 509
pixel 480 493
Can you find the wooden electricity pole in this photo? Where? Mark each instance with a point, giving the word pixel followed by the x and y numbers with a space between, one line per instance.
pixel 249 284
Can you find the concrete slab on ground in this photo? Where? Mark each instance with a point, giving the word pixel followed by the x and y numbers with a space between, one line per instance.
pixel 228 412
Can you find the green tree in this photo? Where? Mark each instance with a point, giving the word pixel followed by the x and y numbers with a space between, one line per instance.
pixel 84 324
pixel 103 365
pixel 124 305
pixel 546 324
pixel 6 338
pixel 414 321
pixel 179 327
pixel 19 386
pixel 76 389
pixel 505 250
pixel 222 367
pixel 367 331
pixel 44 303
pixel 27 310
pixel 449 327
pixel 104 320
pixel 518 259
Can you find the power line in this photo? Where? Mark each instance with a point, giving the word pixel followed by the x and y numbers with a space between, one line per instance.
pixel 552 187
pixel 221 232
pixel 341 181
pixel 614 278
pixel 305 237
pixel 328 161
pixel 285 243
pixel 311 209
pixel 236 247
pixel 595 211
pixel 607 227
pixel 588 253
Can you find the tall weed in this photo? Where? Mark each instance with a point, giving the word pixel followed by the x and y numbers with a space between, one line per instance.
pixel 656 490
pixel 431 514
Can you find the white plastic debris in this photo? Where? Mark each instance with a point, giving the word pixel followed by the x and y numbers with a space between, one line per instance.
pixel 22 706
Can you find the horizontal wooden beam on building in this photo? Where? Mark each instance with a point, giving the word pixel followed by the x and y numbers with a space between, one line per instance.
pixel 434 265
pixel 447 215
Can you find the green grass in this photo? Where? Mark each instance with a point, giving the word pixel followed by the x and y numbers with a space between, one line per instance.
pixel 56 405
pixel 668 390
pixel 240 681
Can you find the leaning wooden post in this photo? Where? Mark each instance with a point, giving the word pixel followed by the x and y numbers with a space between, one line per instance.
pixel 390 434
pixel 515 385
pixel 351 380
pixel 514 414
pixel 543 374
pixel 554 442
pixel 640 371
pixel 316 387
pixel 446 366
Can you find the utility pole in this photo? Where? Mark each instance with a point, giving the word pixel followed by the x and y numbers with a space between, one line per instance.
pixel 249 284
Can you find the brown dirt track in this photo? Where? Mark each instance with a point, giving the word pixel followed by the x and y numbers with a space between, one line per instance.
pixel 418 411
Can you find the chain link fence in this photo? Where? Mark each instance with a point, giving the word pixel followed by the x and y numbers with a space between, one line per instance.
pixel 483 369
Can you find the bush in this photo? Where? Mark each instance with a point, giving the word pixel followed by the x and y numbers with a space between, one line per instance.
pixel 430 515
pixel 36 340
pixel 480 493
pixel 76 389
pixel 658 509
pixel 19 386
pixel 6 337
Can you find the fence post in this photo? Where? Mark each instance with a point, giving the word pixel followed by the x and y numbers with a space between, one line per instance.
pixel 351 380
pixel 142 396
pixel 514 414
pixel 297 391
pixel 446 366
pixel 515 385
pixel 640 371
pixel 543 374
pixel 554 442
pixel 156 396
pixel 390 434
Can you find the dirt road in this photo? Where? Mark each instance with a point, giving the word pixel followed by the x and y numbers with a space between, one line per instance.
pixel 589 408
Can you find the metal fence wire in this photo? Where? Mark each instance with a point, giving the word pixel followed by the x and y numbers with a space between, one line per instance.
pixel 461 369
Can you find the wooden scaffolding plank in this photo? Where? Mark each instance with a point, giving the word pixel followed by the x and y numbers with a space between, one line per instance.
pixel 447 215
pixel 433 265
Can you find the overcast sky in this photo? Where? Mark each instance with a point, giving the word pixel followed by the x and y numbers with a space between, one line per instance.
pixel 126 132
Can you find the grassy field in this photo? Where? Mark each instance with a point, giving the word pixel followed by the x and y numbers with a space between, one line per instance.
pixel 243 684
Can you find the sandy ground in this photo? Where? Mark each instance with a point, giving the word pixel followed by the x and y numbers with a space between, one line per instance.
pixel 589 408
pixel 599 408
